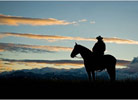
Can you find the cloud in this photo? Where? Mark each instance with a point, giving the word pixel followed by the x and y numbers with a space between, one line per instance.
pixel 83 20
pixel 44 37
pixel 1 49
pixel 64 62
pixel 56 38
pixel 92 22
pixel 30 64
pixel 16 20
pixel 133 66
pixel 31 48
pixel 130 72
pixel 3 66
pixel 54 62
pixel 120 41
pixel 123 62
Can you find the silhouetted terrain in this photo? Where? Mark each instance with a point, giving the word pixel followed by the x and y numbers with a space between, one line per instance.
pixel 63 83
pixel 31 88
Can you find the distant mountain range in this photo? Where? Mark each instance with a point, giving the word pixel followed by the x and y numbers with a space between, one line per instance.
pixel 47 73
pixel 72 74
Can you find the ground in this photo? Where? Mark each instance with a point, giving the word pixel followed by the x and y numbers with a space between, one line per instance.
pixel 52 89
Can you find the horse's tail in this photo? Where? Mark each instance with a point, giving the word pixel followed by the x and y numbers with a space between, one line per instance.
pixel 111 67
pixel 112 72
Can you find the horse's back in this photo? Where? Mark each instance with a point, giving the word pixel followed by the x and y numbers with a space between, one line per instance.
pixel 106 62
pixel 109 59
pixel 100 62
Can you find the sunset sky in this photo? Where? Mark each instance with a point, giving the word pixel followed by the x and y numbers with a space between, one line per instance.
pixel 42 34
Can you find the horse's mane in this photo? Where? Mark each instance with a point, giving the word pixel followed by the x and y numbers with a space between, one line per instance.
pixel 85 49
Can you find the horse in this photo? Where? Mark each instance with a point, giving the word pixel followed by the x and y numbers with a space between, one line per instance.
pixel 94 63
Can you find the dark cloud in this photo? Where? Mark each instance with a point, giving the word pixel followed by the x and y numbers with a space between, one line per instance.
pixel 123 62
pixel 55 62
pixel 62 62
pixel 31 48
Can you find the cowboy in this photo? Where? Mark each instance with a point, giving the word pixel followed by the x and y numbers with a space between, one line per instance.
pixel 99 47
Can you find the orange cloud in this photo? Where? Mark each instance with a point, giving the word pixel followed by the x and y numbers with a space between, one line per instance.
pixel 15 21
pixel 45 37
pixel 4 67
pixel 1 50
pixel 120 41
pixel 56 38
pixel 9 65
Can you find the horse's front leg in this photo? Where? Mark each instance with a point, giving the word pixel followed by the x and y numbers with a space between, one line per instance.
pixel 93 75
pixel 89 75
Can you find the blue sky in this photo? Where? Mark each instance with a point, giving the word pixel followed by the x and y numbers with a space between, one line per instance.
pixel 79 19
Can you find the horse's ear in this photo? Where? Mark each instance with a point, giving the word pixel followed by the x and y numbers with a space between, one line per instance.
pixel 75 43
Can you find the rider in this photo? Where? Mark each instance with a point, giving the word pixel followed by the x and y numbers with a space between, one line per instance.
pixel 99 47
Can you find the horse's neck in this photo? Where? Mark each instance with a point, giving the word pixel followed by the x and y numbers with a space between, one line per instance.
pixel 85 52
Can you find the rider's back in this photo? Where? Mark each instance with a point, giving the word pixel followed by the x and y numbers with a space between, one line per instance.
pixel 99 47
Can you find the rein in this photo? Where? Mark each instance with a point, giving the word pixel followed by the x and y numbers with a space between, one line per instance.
pixel 78 57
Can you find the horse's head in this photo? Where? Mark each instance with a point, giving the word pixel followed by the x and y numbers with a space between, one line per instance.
pixel 74 51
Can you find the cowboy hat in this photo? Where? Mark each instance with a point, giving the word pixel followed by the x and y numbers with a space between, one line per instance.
pixel 99 37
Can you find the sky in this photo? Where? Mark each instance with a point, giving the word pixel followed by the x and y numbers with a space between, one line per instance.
pixel 43 34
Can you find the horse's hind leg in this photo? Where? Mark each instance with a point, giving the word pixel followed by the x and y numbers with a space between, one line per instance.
pixel 111 72
pixel 93 75
pixel 89 75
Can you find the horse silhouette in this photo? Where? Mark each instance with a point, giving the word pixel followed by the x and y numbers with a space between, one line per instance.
pixel 94 63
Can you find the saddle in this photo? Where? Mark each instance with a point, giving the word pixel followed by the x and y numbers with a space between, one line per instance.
pixel 98 61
